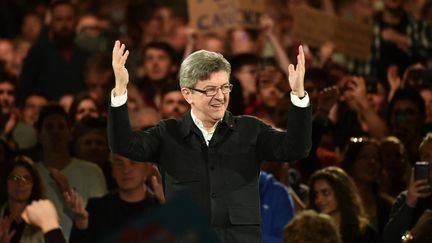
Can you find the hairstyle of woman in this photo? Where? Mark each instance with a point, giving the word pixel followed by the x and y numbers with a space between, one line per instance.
pixel 352 218
pixel 38 191
pixel 311 227
pixel 75 111
pixel 363 162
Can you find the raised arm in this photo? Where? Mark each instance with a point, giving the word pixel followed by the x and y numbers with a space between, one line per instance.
pixel 119 57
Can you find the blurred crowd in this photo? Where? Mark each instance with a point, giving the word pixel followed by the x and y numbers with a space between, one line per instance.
pixel 372 118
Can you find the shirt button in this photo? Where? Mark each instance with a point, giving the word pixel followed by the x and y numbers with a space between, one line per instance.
pixel 212 167
pixel 213 195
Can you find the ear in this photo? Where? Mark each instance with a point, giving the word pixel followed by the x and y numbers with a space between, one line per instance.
pixel 187 95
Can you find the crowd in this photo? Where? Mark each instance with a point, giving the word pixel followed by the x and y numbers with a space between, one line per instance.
pixel 372 118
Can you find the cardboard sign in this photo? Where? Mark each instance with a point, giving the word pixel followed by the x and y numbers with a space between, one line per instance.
pixel 314 28
pixel 220 15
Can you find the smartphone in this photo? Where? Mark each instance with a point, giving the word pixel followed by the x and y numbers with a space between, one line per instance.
pixel 421 170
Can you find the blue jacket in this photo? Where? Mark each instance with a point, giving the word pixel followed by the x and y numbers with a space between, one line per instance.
pixel 277 208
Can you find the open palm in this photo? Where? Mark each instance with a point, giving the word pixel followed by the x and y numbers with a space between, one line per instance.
pixel 296 74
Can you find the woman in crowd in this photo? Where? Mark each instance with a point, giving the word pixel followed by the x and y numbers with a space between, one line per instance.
pixel 362 161
pixel 20 185
pixel 334 193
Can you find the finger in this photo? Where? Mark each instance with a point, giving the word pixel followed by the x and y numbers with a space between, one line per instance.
pixel 121 51
pixel 115 49
pixel 291 69
pixel 124 58
pixel 302 55
pixel 24 215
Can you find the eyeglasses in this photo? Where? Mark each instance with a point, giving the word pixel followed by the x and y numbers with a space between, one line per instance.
pixel 27 179
pixel 212 90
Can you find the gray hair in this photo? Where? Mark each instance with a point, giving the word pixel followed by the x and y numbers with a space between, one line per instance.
pixel 200 65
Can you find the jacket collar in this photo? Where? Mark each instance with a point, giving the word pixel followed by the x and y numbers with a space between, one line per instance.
pixel 187 125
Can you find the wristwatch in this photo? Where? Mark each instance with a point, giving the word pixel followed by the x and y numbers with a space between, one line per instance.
pixel 407 237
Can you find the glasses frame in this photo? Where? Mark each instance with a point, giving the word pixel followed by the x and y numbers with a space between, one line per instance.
pixel 17 179
pixel 205 91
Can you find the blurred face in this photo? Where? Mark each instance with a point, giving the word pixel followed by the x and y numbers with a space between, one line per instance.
pixel 405 119
pixel 31 27
pixel 32 107
pixel 93 147
pixel 66 101
pixel 6 51
pixel 271 86
pixel 55 134
pixel 367 164
pixel 209 109
pixel 7 97
pixel 325 199
pixel 394 160
pixel 63 23
pixel 247 75
pixel 86 108
pixel 19 184
pixel 129 175
pixel 173 105
pixel 157 64
pixel 377 99
pixel 98 84
pixel 241 42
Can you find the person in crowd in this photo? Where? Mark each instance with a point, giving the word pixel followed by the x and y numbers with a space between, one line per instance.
pixel 32 106
pixel 362 161
pixel 406 119
pixel 172 104
pixel 83 105
pixel 311 227
pixel 159 66
pixel 105 215
pixel 42 214
pixel 90 143
pixel 396 168
pixel 334 193
pixel 20 185
pixel 60 171
pixel 55 64
pixel 211 153
pixel 98 78
pixel 411 215
pixel 15 132
pixel 277 207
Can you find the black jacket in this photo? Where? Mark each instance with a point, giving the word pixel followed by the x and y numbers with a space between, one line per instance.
pixel 223 177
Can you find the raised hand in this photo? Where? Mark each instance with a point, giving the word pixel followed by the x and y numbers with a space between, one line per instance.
pixel 156 184
pixel 76 204
pixel 416 190
pixel 6 233
pixel 43 214
pixel 296 75
pixel 119 57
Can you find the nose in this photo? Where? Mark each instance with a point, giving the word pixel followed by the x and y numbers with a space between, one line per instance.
pixel 219 95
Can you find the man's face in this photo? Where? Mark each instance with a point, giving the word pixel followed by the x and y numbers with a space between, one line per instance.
pixel 93 146
pixel 271 86
pixel 98 84
pixel 32 107
pixel 63 23
pixel 406 119
pixel 7 97
pixel 157 64
pixel 54 134
pixel 129 175
pixel 209 109
pixel 173 105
